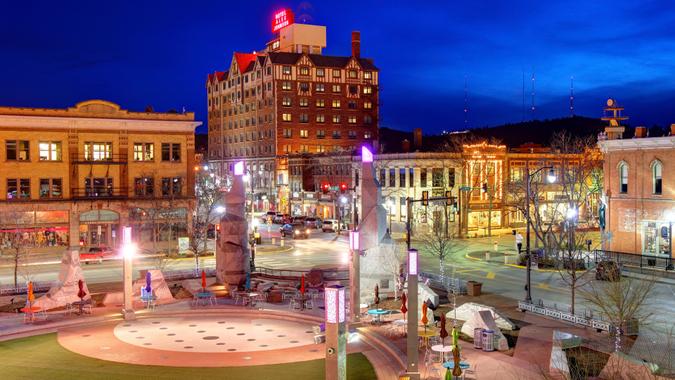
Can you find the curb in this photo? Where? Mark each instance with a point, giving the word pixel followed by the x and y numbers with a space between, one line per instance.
pixel 512 265
pixel 284 249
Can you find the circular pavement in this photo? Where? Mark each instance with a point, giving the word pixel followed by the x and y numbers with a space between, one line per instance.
pixel 216 334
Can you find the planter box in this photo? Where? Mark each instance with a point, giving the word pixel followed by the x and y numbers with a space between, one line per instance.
pixel 473 288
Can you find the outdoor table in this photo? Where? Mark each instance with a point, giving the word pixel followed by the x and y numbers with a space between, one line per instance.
pixel 302 301
pixel 442 349
pixel 377 313
pixel 80 306
pixel 426 334
pixel 29 313
pixel 251 297
pixel 207 297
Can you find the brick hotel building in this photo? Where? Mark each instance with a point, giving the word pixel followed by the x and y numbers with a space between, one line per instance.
pixel 287 100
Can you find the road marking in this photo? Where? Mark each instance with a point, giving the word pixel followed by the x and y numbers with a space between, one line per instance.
pixel 543 285
pixel 490 275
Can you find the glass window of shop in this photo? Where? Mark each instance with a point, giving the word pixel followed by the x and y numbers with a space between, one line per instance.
pixel 656 237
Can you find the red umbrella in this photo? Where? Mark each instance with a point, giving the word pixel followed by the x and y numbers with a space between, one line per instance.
pixel 81 293
pixel 424 320
pixel 302 284
pixel 443 333
pixel 404 308
pixel 203 280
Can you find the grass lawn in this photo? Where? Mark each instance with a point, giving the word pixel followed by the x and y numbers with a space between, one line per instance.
pixel 41 357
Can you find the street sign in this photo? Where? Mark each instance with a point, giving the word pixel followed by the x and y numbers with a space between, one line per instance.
pixel 465 188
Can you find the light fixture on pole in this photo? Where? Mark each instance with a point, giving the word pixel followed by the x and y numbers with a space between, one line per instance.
pixel 412 369
pixel 355 275
pixel 128 252
pixel 550 178
pixel 336 337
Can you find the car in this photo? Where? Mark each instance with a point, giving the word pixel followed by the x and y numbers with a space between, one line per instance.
pixel 332 225
pixel 268 216
pixel 608 270
pixel 278 218
pixel 97 254
pixel 313 222
pixel 298 220
pixel 296 231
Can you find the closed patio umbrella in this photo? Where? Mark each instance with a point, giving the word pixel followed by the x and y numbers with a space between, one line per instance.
pixel 31 296
pixel 424 319
pixel 443 333
pixel 203 280
pixel 148 283
pixel 377 295
pixel 404 308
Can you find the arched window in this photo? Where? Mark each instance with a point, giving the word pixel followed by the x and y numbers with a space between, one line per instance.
pixel 623 177
pixel 657 181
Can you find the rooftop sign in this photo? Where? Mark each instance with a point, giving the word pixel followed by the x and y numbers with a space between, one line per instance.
pixel 282 19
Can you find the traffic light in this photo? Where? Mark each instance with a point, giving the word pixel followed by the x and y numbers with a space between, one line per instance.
pixel 325 188
pixel 448 197
pixel 343 187
pixel 425 198
pixel 485 187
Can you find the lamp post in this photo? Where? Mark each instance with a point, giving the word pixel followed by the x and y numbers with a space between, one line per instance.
pixel 336 339
pixel 128 251
pixel 412 370
pixel 354 276
pixel 551 177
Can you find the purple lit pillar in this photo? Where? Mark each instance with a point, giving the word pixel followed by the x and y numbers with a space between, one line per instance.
pixel 336 338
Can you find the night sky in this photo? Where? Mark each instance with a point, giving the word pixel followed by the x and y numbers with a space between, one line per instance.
pixel 54 54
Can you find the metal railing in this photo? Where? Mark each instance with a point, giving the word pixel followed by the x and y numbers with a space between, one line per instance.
pixel 110 159
pixel 658 266
pixel 99 193
pixel 444 282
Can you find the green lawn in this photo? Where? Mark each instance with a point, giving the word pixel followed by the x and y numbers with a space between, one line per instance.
pixel 41 357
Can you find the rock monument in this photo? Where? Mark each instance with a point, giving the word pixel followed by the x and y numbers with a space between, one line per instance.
pixel 66 288
pixel 232 251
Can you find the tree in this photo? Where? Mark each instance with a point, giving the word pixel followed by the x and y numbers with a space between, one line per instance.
pixel 14 243
pixel 209 194
pixel 435 241
pixel 393 258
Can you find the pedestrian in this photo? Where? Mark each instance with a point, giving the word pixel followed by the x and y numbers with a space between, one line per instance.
pixel 519 242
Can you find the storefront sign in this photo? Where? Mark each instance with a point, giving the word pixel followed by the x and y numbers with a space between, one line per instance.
pixel 282 19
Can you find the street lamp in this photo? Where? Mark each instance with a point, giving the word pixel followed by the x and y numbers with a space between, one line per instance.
pixel 336 337
pixel 355 273
pixel 551 178
pixel 411 343
pixel 128 252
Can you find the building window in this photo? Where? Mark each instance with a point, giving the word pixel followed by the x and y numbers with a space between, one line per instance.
pixel 657 181
pixel 320 134
pixel 336 103
pixel 171 152
pixel 352 135
pixel 437 177
pixel 50 150
pixel 286 117
pixel 98 187
pixel 336 134
pixel 286 148
pixel 411 177
pixel 51 188
pixel 320 87
pixel 304 118
pixel 367 75
pixel 304 87
pixel 320 118
pixel 337 88
pixel 286 101
pixel 401 177
pixel 336 119
pixel 320 72
pixel 353 90
pixel 451 177
pixel 144 186
pixel 320 103
pixel 392 177
pixel 17 150
pixel 144 151
pixel 623 178
pixel 286 85
pixel 304 148
pixel 18 188
pixel 351 119
pixel 304 133
pixel 304 70
pixel 336 73
pixel 423 177
pixel 367 120
pixel 367 90
pixel 172 186
pixel 353 74
pixel 304 102
pixel 98 151
pixel 288 133
pixel 367 105
pixel 382 178
pixel 351 105
pixel 286 70
pixel 366 135
pixel 320 149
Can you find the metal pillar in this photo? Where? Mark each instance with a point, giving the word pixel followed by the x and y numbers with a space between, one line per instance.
pixel 128 252
pixel 412 369
pixel 336 337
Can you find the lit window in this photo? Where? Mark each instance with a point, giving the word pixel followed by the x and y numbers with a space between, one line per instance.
pixel 367 90
pixel 286 117
pixel 657 180
pixel 336 103
pixel 286 70
pixel 337 88
pixel 304 133
pixel 336 118
pixel 336 73
pixel 353 74
pixel 623 177
pixel 367 105
pixel 97 151
pixel 50 150
pixel 366 135
pixel 351 120
pixel 320 118
pixel 320 103
pixel 367 75
pixel 144 152
pixel 320 87
pixel 320 72
pixel 286 101
pixel 304 70
pixel 286 85
pixel 304 102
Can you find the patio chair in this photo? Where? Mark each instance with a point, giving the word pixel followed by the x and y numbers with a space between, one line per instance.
pixel 432 370
pixel 471 372
pixel 309 303
pixel 237 297
pixel 293 304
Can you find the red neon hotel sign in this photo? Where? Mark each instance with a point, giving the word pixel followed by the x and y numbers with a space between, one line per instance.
pixel 282 19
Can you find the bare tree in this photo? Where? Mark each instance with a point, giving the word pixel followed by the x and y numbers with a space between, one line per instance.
pixel 208 191
pixel 14 244
pixel 393 259
pixel 438 244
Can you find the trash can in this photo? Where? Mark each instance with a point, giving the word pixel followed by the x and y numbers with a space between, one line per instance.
pixel 473 288
pixel 488 340
pixel 478 338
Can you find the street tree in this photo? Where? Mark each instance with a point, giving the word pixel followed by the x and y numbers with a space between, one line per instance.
pixel 14 244
pixel 435 241
pixel 209 194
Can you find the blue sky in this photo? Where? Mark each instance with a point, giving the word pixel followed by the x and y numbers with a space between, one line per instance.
pixel 54 54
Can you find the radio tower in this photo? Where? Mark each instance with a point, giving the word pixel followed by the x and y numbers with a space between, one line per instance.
pixel 572 96
pixel 466 102
pixel 533 108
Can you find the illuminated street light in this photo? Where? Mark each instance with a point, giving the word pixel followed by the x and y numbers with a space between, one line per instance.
pixel 412 369
pixel 551 177
pixel 205 167
pixel 571 213
pixel 219 209
pixel 343 200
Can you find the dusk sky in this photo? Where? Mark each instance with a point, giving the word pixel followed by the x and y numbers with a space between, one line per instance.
pixel 136 53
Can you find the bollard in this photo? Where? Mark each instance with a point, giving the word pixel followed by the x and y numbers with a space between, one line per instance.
pixel 496 246
pixel 487 255
pixel 506 259
pixel 282 242
pixel 274 241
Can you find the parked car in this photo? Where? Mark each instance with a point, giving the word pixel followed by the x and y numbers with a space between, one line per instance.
pixel 608 270
pixel 298 220
pixel 97 254
pixel 269 215
pixel 313 222
pixel 332 225
pixel 294 230
pixel 278 218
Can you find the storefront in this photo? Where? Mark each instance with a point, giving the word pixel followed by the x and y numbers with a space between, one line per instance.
pixel 656 238
pixel 36 229
pixel 99 228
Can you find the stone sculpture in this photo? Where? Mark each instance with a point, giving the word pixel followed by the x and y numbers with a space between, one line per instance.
pixel 66 289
